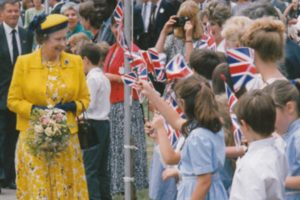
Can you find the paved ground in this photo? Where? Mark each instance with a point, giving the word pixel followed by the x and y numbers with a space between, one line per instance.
pixel 8 194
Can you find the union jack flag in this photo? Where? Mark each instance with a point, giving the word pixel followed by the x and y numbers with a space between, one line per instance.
pixel 146 57
pixel 154 59
pixel 173 134
pixel 118 13
pixel 174 105
pixel 177 68
pixel 121 39
pixel 207 42
pixel 241 66
pixel 135 59
pixel 159 70
pixel 232 100
pixel 237 133
pixel 129 79
pixel 142 73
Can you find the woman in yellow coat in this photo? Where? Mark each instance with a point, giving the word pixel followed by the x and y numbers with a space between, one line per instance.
pixel 49 76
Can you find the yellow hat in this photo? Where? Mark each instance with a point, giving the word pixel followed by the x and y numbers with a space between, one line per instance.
pixel 48 24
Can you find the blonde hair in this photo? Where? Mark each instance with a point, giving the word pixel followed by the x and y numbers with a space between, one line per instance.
pixel 77 40
pixel 189 9
pixel 266 37
pixel 234 28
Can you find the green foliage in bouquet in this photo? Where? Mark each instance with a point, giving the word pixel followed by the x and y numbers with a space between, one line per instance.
pixel 48 133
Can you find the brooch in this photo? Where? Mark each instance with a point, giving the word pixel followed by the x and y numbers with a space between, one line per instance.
pixel 67 62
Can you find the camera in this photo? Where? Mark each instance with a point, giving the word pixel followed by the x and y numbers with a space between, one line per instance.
pixel 180 21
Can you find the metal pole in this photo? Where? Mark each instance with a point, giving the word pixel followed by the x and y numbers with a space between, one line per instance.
pixel 128 179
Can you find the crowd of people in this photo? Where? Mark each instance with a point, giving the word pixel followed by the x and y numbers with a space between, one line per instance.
pixel 221 142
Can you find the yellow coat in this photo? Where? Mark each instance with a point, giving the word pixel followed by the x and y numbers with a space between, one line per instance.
pixel 28 87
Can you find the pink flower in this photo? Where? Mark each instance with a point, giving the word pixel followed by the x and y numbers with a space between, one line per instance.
pixel 45 120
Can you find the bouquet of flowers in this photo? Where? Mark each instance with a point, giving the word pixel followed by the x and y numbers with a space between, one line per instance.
pixel 48 133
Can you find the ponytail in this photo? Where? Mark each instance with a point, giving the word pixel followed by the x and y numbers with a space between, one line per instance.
pixel 200 105
pixel 206 109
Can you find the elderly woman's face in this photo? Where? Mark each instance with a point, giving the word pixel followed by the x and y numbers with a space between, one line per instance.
pixel 72 17
pixel 56 42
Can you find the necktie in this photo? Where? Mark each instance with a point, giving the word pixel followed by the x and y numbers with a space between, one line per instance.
pixel 152 17
pixel 14 46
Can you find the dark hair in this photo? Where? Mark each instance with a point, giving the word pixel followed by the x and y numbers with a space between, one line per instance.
pixel 260 9
pixel 220 73
pixel 104 48
pixel 104 9
pixel 41 37
pixel 88 12
pixel 204 61
pixel 282 91
pixel 199 103
pixel 257 109
pixel 2 5
pixel 92 52
pixel 218 12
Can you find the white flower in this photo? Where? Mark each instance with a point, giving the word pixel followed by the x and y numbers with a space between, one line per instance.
pixel 38 128
pixel 49 132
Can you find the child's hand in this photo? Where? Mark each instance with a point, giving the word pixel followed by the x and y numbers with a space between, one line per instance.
pixel 149 130
pixel 145 88
pixel 158 122
pixel 169 173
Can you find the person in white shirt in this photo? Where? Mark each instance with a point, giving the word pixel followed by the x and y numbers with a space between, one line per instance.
pixel 96 156
pixel 261 172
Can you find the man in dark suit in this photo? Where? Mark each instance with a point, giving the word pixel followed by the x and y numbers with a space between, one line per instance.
pixel 56 6
pixel 160 12
pixel 291 65
pixel 14 41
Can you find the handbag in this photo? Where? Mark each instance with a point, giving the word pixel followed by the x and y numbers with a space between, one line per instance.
pixel 86 135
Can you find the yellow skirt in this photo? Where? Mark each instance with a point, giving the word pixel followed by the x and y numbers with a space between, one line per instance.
pixel 62 179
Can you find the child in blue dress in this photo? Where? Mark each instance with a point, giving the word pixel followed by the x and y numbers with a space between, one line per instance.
pixel 203 152
pixel 287 100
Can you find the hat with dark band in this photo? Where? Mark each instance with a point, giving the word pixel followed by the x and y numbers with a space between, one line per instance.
pixel 48 24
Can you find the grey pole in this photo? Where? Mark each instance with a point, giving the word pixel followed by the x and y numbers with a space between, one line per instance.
pixel 128 179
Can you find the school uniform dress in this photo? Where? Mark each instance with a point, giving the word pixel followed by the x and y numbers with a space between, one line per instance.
pixel 160 189
pixel 35 83
pixel 261 172
pixel 202 153
pixel 292 139
pixel 226 174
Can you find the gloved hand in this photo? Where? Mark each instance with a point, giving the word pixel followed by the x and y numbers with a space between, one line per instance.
pixel 69 106
pixel 38 107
